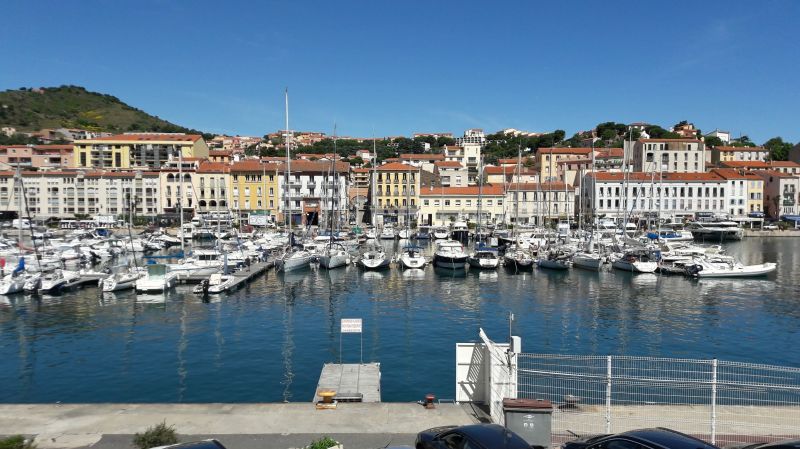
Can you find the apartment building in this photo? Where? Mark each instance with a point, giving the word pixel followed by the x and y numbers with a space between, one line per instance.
pixel 468 154
pixel 550 161
pixel 255 189
pixel 729 154
pixel 787 167
pixel 781 192
pixel 745 191
pixel 63 194
pixel 441 205
pixel 540 203
pixel 675 195
pixel 397 189
pixel 451 173
pixel 313 188
pixel 507 174
pixel 137 150
pixel 668 156
pixel 425 161
pixel 36 157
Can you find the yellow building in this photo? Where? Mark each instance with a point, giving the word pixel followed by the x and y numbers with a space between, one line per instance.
pixel 141 150
pixel 254 188
pixel 201 187
pixel 550 161
pixel 397 186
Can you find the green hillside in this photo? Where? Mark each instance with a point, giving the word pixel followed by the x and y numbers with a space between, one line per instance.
pixel 75 107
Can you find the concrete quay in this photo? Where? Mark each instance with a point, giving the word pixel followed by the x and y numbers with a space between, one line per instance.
pixel 238 426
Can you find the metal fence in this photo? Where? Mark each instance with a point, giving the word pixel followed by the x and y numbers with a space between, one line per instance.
pixel 718 401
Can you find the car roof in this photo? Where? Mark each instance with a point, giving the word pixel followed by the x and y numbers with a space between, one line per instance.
pixel 203 444
pixel 668 438
pixel 781 444
pixel 491 432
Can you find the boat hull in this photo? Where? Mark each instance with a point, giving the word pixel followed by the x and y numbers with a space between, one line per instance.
pixel 587 262
pixel 334 261
pixel 635 267
pixel 553 264
pixel 407 261
pixel 483 264
pixel 740 272
pixel 452 263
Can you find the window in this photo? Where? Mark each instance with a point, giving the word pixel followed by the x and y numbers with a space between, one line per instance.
pixel 425 202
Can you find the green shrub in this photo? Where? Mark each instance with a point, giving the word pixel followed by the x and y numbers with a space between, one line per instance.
pixel 160 435
pixel 323 443
pixel 17 442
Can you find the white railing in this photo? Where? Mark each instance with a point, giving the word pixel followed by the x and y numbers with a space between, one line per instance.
pixel 721 402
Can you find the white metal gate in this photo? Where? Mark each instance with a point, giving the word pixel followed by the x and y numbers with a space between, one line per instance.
pixel 502 382
pixel 721 402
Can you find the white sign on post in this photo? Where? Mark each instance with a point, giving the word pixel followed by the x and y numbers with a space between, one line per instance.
pixel 351 325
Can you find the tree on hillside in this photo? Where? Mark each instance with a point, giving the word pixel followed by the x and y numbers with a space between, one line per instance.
pixel 778 149
pixel 742 141
pixel 657 132
pixel 714 141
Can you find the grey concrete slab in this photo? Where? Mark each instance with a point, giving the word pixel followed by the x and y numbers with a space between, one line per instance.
pixel 350 378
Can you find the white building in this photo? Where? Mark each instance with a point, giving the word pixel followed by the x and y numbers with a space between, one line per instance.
pixel 736 154
pixel 670 195
pixel 539 204
pixel 64 194
pixel 668 155
pixel 311 190
pixel 724 136
pixel 473 136
pixel 451 173
pixel 781 192
pixel 440 206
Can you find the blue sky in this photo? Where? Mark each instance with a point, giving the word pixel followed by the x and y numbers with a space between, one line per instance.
pixel 404 67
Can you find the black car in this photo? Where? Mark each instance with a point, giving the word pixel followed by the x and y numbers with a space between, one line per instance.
pixel 784 444
pixel 474 436
pixel 656 438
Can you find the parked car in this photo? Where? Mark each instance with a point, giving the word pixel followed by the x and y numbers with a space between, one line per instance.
pixel 783 444
pixel 770 227
pixel 474 436
pixel 655 438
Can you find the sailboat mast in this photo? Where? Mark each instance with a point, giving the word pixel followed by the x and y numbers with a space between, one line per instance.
pixel 335 193
pixel 180 199
pixel 288 162
pixel 480 197
pixel 516 193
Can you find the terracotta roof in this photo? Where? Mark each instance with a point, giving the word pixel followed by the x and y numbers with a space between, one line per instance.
pixel 783 164
pixel 360 170
pixel 508 170
pixel 422 157
pixel 317 166
pixel 150 137
pixel 252 166
pixel 774 173
pixel 396 166
pixel 609 152
pixel 732 173
pixel 219 152
pixel 665 177
pixel 214 167
pixel 512 161
pixel 488 189
pixel 670 140
pixel 529 186
pixel 586 151
pixel 40 147
pixel 448 164
pixel 733 149
pixel 574 161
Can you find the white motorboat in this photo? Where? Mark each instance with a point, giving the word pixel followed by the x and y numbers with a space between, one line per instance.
pixel 404 234
pixel 334 256
pixel 216 283
pixel 294 259
pixel 728 268
pixel 412 257
pixel 12 283
pixel 440 233
pixel 716 231
pixel 484 258
pixel 388 232
pixel 460 231
pixel 203 262
pixel 54 281
pixel 635 261
pixel 450 254
pixel 374 258
pixel 159 278
pixel 122 280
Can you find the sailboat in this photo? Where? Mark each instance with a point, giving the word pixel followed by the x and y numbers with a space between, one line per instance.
pixel 516 256
pixel 374 258
pixel 293 257
pixel 483 257
pixel 335 255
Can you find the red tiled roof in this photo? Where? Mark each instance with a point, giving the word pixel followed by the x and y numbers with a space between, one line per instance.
pixel 360 170
pixel 508 170
pixel 488 189
pixel 665 177
pixel 422 157
pixel 219 152
pixel 40 147
pixel 152 137
pixel 513 161
pixel 774 173
pixel 317 166
pixel 448 164
pixel 214 167
pixel 396 166
pixel 252 166
pixel 609 152
pixel 731 173
pixel 529 186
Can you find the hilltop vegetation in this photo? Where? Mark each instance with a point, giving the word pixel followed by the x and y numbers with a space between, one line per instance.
pixel 29 109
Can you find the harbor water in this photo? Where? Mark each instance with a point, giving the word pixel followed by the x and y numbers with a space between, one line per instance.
pixel 268 341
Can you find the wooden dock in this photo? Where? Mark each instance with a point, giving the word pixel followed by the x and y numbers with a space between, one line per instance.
pixel 243 275
pixel 352 382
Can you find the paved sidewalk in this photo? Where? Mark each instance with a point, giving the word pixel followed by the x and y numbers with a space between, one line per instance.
pixel 248 425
